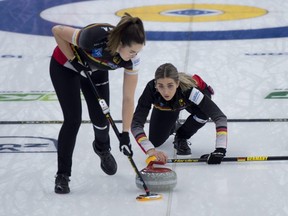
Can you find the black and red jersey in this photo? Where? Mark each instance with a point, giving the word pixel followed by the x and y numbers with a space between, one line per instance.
pixel 187 100
pixel 90 43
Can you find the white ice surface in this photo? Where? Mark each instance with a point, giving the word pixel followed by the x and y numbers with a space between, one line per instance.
pixel 232 188
pixel 241 82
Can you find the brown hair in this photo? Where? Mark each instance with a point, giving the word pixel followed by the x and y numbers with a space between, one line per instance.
pixel 129 30
pixel 168 70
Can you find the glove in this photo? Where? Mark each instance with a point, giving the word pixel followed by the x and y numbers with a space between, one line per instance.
pixel 125 145
pixel 216 156
pixel 80 67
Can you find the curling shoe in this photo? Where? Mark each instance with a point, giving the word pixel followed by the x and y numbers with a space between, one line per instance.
pixel 181 145
pixel 62 184
pixel 108 163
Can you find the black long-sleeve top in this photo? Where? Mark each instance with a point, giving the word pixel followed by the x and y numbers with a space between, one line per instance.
pixel 181 100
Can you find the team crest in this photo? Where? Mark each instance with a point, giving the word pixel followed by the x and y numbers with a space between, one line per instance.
pixel 181 102
pixel 116 59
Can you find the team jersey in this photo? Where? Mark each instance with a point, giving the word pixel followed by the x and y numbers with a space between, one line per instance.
pixel 90 43
pixel 181 100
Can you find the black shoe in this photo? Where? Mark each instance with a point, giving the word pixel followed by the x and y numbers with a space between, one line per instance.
pixel 108 163
pixel 181 145
pixel 62 184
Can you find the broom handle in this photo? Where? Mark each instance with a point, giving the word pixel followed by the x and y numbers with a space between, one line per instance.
pixel 106 112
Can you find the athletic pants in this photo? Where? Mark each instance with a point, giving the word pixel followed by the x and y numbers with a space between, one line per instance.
pixel 67 84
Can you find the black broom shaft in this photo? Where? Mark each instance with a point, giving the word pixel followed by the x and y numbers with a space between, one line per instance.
pixel 112 123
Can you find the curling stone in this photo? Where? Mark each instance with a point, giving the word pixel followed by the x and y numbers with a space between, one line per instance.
pixel 157 178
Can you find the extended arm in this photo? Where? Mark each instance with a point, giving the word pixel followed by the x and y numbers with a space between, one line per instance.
pixel 213 111
pixel 129 86
pixel 139 119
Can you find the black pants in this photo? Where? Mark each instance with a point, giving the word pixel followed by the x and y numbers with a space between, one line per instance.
pixel 67 84
pixel 163 122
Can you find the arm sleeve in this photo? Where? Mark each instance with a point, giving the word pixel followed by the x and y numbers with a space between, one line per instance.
pixel 134 67
pixel 207 106
pixel 92 36
pixel 140 116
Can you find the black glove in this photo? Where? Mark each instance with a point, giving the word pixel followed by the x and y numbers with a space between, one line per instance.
pixel 216 156
pixel 125 145
pixel 79 66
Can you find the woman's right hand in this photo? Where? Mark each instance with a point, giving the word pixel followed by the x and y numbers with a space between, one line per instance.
pixel 155 155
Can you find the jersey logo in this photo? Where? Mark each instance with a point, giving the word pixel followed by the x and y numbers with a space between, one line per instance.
pixel 136 60
pixel 182 102
pixel 105 28
pixel 97 52
pixel 116 59
pixel 196 96
pixel 99 44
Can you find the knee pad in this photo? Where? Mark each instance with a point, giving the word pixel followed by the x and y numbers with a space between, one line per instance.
pixel 102 136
